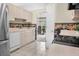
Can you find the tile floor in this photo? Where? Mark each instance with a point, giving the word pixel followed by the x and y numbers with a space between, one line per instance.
pixel 38 49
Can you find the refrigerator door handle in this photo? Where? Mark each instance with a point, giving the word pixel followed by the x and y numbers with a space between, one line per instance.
pixel 3 7
pixel 6 22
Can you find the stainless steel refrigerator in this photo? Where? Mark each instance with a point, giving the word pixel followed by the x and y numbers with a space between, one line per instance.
pixel 4 39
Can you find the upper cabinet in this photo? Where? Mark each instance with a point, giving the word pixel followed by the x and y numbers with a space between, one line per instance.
pixel 17 12
pixel 63 15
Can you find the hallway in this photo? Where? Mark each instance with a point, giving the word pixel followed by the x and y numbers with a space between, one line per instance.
pixel 38 49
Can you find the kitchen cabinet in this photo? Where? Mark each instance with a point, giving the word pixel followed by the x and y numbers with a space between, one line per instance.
pixel 17 12
pixel 27 35
pixel 15 42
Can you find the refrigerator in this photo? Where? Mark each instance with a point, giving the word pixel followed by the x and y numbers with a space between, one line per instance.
pixel 4 36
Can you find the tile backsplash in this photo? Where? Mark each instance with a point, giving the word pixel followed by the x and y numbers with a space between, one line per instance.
pixel 67 26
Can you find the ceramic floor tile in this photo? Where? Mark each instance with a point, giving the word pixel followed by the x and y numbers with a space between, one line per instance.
pixel 38 49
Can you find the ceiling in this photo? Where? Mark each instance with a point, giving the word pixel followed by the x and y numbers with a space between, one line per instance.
pixel 31 6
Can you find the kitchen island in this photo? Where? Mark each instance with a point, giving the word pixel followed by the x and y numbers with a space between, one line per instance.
pixel 68 37
pixel 72 33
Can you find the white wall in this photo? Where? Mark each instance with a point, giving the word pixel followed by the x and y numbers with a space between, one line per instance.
pixel 38 13
pixel 50 24
pixel 63 15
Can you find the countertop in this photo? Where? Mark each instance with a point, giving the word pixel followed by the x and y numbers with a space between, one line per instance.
pixel 69 33
pixel 14 29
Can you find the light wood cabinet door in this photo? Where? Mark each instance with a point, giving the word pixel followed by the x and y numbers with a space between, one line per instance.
pixel 27 35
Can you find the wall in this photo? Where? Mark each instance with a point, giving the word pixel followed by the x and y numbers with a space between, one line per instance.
pixel 50 24
pixel 63 14
pixel 17 12
pixel 38 13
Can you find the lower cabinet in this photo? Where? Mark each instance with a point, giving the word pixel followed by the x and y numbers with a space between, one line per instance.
pixel 15 42
pixel 21 38
pixel 27 35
